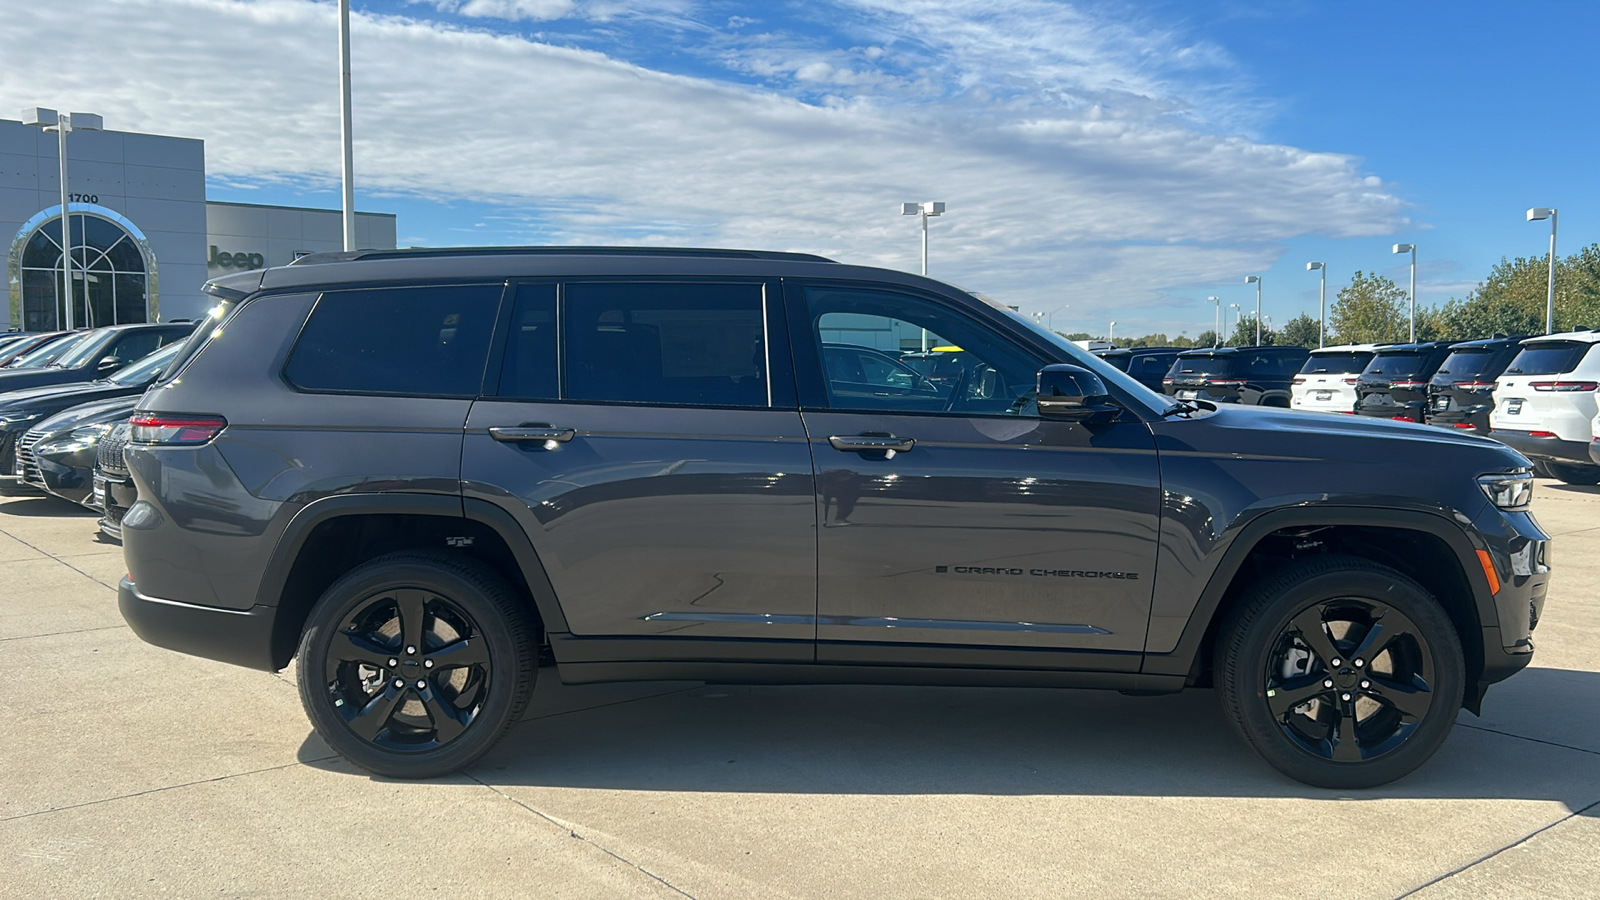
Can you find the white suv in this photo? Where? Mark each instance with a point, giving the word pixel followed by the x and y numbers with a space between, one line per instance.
pixel 1327 382
pixel 1545 402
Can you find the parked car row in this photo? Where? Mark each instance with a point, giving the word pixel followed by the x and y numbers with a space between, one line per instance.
pixel 64 393
pixel 1537 394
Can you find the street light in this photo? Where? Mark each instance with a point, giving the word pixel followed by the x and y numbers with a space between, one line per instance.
pixel 1256 280
pixel 1411 249
pixel 1322 301
pixel 924 209
pixel 1216 333
pixel 63 124
pixel 1535 215
pixel 1111 333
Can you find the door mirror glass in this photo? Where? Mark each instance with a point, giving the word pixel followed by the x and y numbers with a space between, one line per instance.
pixel 1074 394
pixel 109 364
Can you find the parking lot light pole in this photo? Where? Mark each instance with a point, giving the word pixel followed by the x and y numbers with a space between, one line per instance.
pixel 1322 302
pixel 1256 280
pixel 1411 249
pixel 1534 215
pixel 346 137
pixel 1216 333
pixel 63 124
pixel 924 209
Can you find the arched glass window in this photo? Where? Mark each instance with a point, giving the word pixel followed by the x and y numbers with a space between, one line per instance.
pixel 113 271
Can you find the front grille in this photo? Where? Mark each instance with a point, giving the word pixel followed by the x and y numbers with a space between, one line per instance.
pixel 27 467
pixel 109 455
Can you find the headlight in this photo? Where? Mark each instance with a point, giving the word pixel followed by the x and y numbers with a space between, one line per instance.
pixel 11 423
pixel 88 433
pixel 1508 490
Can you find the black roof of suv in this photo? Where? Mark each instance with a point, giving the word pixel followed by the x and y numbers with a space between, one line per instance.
pixel 424 472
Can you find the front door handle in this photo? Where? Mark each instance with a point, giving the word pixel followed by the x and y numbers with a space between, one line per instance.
pixel 522 433
pixel 852 443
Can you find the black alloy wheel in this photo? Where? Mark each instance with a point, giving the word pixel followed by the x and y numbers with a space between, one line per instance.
pixel 413 665
pixel 1349 680
pixel 1340 672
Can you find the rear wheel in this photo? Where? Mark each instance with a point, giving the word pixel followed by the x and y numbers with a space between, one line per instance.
pixel 1574 473
pixel 413 665
pixel 1340 672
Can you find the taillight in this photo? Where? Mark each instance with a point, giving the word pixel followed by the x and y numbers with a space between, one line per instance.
pixel 169 428
pixel 1564 386
pixel 1166 381
pixel 1299 381
pixel 1225 382
pixel 1401 418
pixel 1475 385
pixel 1464 425
pixel 1408 385
pixel 1542 433
pixel 1351 380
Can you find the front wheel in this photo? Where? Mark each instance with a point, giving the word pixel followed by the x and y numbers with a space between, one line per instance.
pixel 1340 672
pixel 413 665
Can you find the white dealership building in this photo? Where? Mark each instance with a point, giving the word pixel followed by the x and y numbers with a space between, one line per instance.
pixel 143 234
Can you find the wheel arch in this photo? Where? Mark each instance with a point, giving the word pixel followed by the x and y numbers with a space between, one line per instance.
pixel 329 536
pixel 1427 548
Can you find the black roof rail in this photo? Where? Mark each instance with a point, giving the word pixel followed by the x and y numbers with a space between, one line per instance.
pixel 312 259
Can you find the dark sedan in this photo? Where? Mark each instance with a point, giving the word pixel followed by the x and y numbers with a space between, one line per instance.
pixel 96 355
pixel 58 455
pixel 22 411
pixel 33 349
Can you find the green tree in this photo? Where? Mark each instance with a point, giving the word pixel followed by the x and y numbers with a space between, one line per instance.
pixel 1206 338
pixel 1300 331
pixel 1076 335
pixel 1370 309
pixel 1244 334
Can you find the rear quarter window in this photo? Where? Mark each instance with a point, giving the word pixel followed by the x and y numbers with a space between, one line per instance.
pixel 421 341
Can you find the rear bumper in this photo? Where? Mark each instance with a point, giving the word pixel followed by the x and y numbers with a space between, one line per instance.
pixel 1411 412
pixel 241 637
pixel 1544 448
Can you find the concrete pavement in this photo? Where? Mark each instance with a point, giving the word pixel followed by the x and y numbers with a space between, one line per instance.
pixel 129 771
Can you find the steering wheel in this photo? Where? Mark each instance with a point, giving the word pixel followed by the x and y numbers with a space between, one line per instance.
pixel 960 385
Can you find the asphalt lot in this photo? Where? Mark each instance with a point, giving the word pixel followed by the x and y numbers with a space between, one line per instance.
pixel 130 771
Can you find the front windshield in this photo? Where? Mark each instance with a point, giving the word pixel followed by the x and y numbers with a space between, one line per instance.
pixel 144 370
pixel 87 349
pixel 48 352
pixel 1070 352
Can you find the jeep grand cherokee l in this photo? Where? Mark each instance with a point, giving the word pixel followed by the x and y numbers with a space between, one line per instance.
pixel 423 472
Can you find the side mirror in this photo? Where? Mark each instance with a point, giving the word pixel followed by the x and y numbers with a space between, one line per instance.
pixel 108 364
pixel 1071 393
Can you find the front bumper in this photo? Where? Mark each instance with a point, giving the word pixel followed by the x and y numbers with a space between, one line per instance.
pixel 241 637
pixel 1543 448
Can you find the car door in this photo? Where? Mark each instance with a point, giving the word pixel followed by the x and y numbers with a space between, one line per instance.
pixel 957 526
pixel 646 436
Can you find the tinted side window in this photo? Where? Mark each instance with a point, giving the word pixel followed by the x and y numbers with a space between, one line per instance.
pixel 426 340
pixel 688 344
pixel 531 365
pixel 966 368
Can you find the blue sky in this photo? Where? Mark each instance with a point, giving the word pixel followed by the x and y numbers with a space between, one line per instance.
pixel 1100 160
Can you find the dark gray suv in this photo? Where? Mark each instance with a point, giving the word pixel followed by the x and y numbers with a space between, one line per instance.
pixel 430 473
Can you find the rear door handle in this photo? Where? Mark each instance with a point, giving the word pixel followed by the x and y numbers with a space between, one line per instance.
pixel 852 443
pixel 520 433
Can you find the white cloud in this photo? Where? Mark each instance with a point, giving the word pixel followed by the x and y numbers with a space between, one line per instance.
pixel 1094 200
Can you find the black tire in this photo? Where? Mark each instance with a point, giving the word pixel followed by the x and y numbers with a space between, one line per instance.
pixel 1306 625
pixel 1574 473
pixel 436 709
